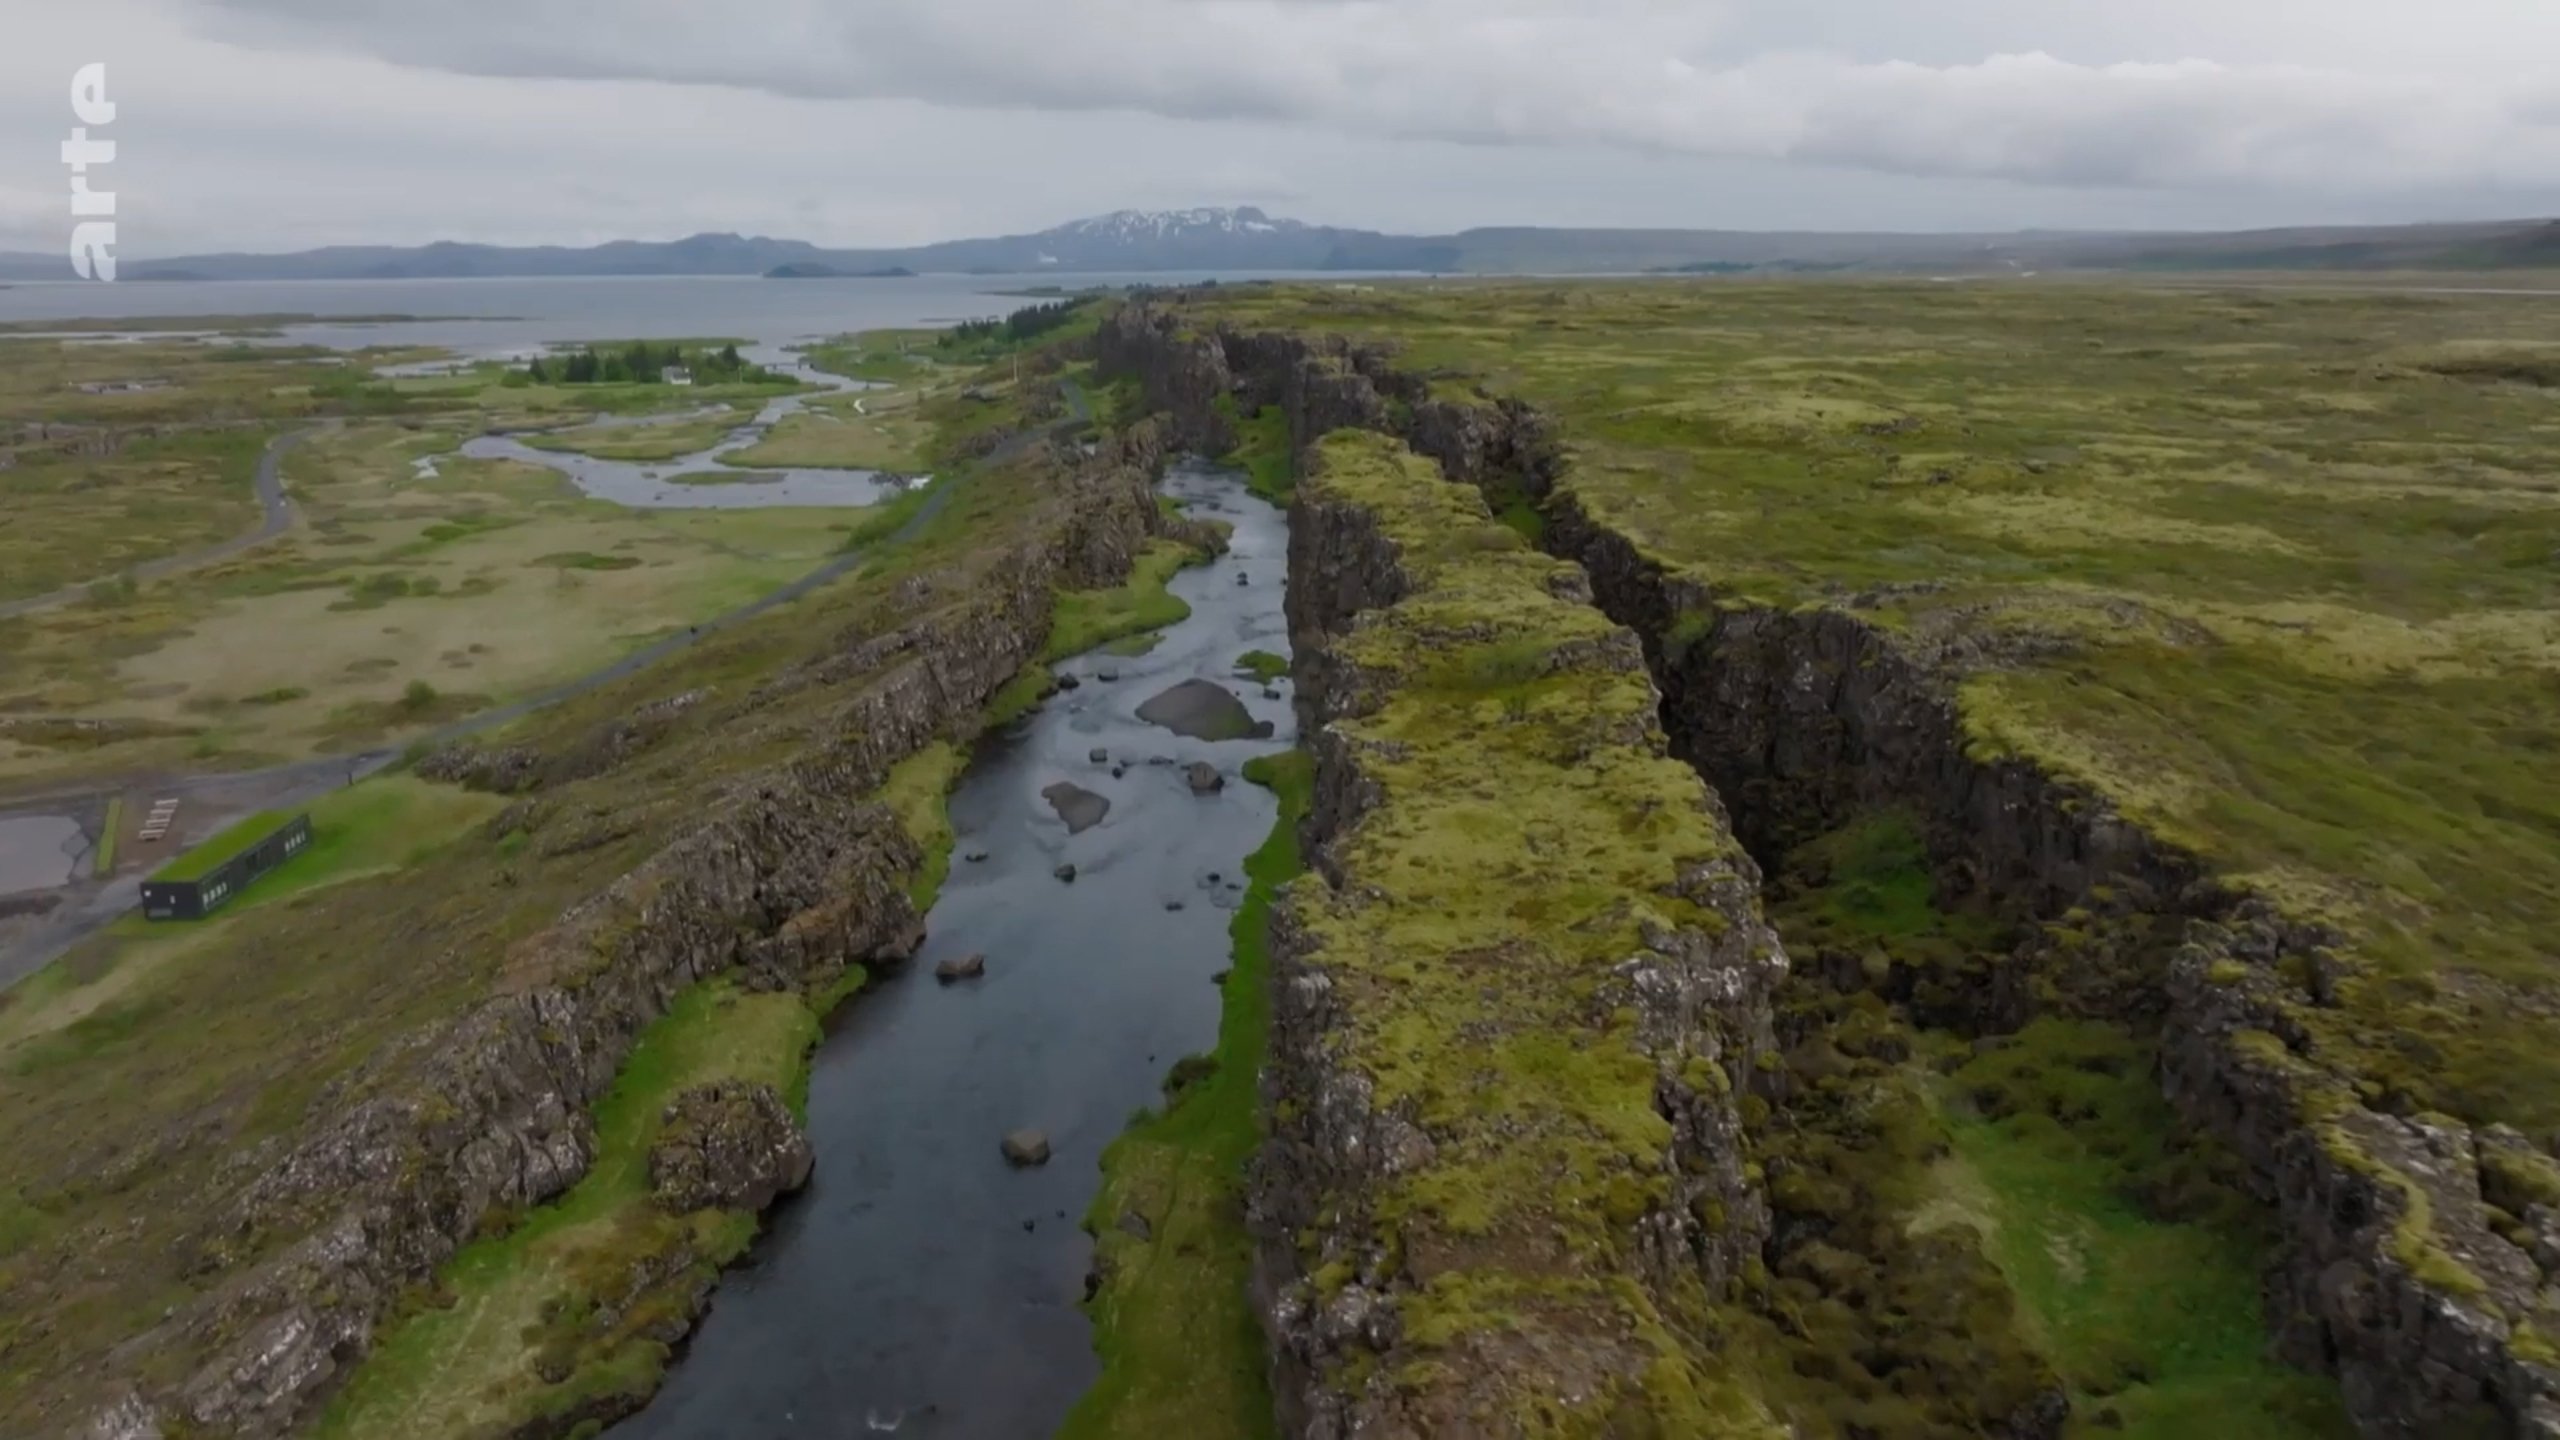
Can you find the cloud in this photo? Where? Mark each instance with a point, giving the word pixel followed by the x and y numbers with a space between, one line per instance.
pixel 1657 76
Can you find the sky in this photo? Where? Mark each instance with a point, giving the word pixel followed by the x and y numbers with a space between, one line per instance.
pixel 287 124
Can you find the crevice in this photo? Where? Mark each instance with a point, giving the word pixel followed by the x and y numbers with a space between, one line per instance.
pixel 2391 1271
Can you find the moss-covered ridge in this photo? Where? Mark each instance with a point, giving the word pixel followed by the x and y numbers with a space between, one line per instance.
pixel 1505 1191
pixel 2319 1051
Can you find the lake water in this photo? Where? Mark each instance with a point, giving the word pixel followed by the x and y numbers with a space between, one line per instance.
pixel 511 316
pixel 920 1285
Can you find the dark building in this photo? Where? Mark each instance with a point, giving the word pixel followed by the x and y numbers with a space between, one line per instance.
pixel 191 889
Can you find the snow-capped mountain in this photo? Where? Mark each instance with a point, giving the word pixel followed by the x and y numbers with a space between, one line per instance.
pixel 1128 227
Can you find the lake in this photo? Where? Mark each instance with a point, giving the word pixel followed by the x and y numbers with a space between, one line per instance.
pixel 498 316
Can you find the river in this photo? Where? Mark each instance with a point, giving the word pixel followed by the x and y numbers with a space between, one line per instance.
pixel 716 484
pixel 919 1285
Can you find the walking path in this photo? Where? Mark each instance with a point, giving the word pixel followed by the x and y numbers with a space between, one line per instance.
pixel 275 518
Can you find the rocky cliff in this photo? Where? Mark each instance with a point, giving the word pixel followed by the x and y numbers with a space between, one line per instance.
pixel 1515 1003
pixel 781 878
pixel 2417 1252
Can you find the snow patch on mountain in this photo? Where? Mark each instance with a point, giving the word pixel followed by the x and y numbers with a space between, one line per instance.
pixel 1134 226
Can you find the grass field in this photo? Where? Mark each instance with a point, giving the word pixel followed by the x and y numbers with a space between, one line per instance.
pixel 644 443
pixel 394 583
pixel 220 849
pixel 887 432
pixel 2276 570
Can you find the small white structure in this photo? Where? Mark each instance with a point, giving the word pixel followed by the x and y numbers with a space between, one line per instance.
pixel 676 375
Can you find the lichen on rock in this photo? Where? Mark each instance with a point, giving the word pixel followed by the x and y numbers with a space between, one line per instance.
pixel 730 1145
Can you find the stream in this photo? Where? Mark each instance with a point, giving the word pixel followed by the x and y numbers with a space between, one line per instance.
pixel 920 1286
pixel 656 484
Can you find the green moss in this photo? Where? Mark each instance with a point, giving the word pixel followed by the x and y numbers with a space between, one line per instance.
pixel 1262 665
pixel 234 840
pixel 1262 451
pixel 2128 1242
pixel 1088 618
pixel 582 1286
pixel 1529 828
pixel 1182 1351
pixel 919 789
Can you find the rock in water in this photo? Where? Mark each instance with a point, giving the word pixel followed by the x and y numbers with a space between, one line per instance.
pixel 1069 682
pixel 1066 873
pixel 1079 807
pixel 1026 1147
pixel 1099 756
pixel 1204 778
pixel 1203 710
pixel 960 967
pixel 731 1145
pixel 977 857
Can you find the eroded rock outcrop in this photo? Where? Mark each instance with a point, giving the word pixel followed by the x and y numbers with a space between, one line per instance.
pixel 780 879
pixel 2405 1268
pixel 730 1145
pixel 1513 1006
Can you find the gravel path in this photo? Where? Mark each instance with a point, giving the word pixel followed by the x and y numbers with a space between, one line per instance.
pixel 276 517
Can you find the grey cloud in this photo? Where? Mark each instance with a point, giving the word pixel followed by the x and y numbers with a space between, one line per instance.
pixel 1641 75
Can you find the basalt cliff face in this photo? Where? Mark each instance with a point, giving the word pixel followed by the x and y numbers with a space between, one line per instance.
pixel 1505 1187
pixel 2393 1271
pixel 784 878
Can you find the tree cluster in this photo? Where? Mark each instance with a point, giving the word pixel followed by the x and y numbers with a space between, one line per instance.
pixel 640 362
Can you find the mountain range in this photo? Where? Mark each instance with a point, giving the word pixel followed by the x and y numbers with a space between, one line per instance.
pixel 1247 239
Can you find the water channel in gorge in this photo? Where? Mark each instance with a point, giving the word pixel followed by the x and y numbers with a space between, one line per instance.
pixel 920 1286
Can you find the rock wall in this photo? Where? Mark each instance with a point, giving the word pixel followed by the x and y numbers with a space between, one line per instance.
pixel 2393 1272
pixel 788 877
pixel 1381 1204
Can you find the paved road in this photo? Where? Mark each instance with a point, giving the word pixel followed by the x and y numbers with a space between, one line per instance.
pixel 275 518
pixel 90 906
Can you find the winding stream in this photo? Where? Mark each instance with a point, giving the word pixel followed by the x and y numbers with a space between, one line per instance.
pixel 654 484
pixel 920 1286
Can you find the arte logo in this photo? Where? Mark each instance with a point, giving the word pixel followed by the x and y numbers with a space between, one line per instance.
pixel 93 242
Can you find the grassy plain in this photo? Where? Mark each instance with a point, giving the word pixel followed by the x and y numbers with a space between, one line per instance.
pixel 393 582
pixel 2278 571
pixel 643 443
pixel 877 430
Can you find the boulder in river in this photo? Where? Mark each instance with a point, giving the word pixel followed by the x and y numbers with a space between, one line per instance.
pixel 1106 676
pixel 1204 710
pixel 960 967
pixel 730 1145
pixel 1026 1148
pixel 1204 778
pixel 977 857
pixel 1069 682
pixel 1066 873
pixel 1079 807
pixel 1099 756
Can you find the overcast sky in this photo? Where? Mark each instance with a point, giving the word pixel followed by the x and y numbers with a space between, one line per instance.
pixel 282 124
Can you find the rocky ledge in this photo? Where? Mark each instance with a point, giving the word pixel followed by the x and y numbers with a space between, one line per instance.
pixel 787 877
pixel 730 1145
pixel 1514 1002
pixel 2420 1262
